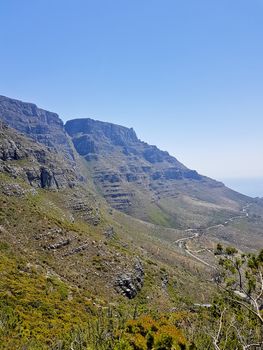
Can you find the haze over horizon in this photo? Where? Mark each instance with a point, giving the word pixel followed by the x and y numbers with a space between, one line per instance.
pixel 186 76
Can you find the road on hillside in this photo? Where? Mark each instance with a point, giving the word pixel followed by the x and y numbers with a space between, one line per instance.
pixel 196 233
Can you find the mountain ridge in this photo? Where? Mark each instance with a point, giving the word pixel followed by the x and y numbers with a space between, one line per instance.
pixel 133 176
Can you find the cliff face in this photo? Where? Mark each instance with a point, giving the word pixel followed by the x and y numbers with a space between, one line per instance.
pixel 122 165
pixel 94 138
pixel 101 131
pixel 133 177
pixel 144 181
pixel 42 126
pixel 32 162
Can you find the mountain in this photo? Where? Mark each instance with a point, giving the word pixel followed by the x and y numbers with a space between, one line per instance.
pixel 97 225
pixel 53 218
pixel 145 182
pixel 134 177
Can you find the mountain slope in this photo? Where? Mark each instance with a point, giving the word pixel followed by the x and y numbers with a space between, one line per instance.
pixel 143 181
pixel 56 222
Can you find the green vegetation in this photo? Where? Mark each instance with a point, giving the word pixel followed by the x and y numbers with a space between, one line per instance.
pixel 34 306
pixel 38 310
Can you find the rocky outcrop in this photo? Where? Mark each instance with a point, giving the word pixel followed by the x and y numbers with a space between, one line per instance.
pixel 165 280
pixel 58 245
pixel 49 178
pixel 95 137
pixel 77 249
pixel 153 155
pixel 14 189
pixel 177 174
pixel 109 233
pixel 42 126
pixel 39 166
pixel 84 145
pixel 85 210
pixel 9 149
pixel 97 130
pixel 129 284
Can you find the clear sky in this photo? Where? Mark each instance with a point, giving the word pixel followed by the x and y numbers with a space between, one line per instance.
pixel 186 74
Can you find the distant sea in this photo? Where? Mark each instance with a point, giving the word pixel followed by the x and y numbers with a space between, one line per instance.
pixel 252 187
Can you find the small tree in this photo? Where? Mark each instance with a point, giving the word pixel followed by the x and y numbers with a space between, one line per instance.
pixel 241 277
pixel 238 314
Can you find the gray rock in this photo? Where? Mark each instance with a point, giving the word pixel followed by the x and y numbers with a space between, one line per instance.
pixel 153 155
pixel 109 233
pixel 58 245
pixel 38 165
pixel 12 189
pixel 117 134
pixel 42 126
pixel 47 179
pixel 77 249
pixel 84 145
pixel 130 283
pixel 165 280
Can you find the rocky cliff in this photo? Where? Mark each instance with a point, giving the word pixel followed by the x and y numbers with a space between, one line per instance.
pixel 122 164
pixel 142 180
pixel 94 138
pixel 37 164
pixel 40 125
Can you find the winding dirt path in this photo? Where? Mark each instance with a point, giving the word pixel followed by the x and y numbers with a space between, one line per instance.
pixel 182 242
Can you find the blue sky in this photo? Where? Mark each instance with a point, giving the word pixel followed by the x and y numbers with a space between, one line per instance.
pixel 186 74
